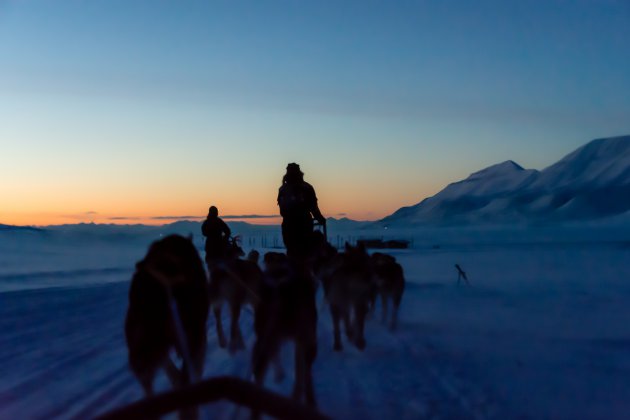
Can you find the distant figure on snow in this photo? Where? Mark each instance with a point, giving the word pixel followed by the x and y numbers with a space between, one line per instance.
pixel 298 207
pixel 217 235
pixel 461 274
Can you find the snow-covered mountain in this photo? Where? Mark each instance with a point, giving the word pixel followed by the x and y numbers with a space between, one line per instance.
pixel 591 182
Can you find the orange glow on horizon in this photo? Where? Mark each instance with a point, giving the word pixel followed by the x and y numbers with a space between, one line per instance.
pixel 129 204
pixel 54 218
pixel 41 219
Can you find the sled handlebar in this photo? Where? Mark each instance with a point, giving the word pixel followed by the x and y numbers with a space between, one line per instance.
pixel 228 388
pixel 317 224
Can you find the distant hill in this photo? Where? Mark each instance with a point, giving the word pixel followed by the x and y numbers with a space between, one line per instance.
pixel 11 228
pixel 186 227
pixel 142 232
pixel 239 227
pixel 590 183
pixel 345 224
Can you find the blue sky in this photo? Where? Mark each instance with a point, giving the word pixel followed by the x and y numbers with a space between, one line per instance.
pixel 147 108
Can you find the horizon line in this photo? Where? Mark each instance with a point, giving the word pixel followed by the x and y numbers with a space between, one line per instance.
pixel 229 217
pixel 175 220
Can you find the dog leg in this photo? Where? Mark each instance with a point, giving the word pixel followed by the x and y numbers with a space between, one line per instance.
pixel 397 298
pixel 310 355
pixel 198 350
pixel 372 311
pixel 347 324
pixel 173 374
pixel 300 371
pixel 261 354
pixel 384 307
pixel 146 380
pixel 220 334
pixel 188 413
pixel 359 318
pixel 334 311
pixel 394 322
pixel 279 373
pixel 236 337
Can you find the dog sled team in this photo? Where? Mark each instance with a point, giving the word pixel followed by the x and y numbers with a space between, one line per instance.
pixel 171 296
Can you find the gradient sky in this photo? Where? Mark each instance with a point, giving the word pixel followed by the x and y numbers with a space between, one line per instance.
pixel 127 111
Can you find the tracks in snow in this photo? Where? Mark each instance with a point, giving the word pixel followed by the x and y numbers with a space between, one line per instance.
pixel 74 365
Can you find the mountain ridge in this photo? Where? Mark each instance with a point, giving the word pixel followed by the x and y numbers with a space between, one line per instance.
pixel 592 181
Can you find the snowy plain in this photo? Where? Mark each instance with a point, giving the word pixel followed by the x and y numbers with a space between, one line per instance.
pixel 542 332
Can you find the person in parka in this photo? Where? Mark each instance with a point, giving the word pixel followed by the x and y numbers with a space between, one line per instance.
pixel 298 208
pixel 217 234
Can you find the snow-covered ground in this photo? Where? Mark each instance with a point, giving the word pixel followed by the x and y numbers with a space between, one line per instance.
pixel 542 332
